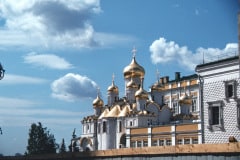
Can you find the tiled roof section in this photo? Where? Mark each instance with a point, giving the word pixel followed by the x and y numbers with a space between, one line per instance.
pixel 218 61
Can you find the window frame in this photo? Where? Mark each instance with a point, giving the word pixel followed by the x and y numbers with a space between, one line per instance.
pixel 139 144
pixel 179 142
pixel 175 106
pixel 119 126
pixel 133 144
pixel 161 142
pixel 194 107
pixel 104 127
pixel 145 143
pixel 195 141
pixel 168 142
pixel 238 113
pixel 187 141
pixel 154 142
pixel 234 92
pixel 211 107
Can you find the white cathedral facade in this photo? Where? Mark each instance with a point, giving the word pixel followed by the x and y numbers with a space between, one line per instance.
pixel 168 114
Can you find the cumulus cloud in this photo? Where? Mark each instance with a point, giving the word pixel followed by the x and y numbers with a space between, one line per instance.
pixel 47 60
pixel 50 21
pixel 163 51
pixel 72 87
pixel 54 24
pixel 21 79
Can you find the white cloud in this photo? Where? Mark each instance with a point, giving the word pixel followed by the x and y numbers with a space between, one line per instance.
pixel 73 87
pixel 20 79
pixel 47 60
pixel 54 24
pixel 48 22
pixel 163 51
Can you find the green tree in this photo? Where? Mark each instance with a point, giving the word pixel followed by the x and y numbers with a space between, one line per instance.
pixel 62 147
pixel 40 140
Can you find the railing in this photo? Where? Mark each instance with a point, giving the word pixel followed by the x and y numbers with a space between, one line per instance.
pixel 207 59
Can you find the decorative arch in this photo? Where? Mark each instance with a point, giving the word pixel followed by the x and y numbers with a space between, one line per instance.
pixel 122 142
pixel 86 144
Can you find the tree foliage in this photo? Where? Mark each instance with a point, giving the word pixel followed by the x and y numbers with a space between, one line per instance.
pixel 40 140
pixel 62 147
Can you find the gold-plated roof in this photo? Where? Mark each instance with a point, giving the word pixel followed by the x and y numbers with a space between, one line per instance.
pixel 133 69
pixel 104 113
pixel 114 112
pixel 125 111
pixel 98 102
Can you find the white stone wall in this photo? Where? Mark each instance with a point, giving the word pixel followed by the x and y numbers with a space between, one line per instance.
pixel 214 90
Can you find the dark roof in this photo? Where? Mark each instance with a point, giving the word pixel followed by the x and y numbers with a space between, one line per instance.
pixel 218 61
pixel 193 76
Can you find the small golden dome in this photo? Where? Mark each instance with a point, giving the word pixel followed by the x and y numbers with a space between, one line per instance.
pixel 113 87
pixel 98 102
pixel 133 69
pixel 141 94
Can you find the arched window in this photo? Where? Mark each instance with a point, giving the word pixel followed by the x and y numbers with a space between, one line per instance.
pixel 120 126
pixel 104 126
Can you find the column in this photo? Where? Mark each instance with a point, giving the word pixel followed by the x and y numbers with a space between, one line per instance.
pixel 149 136
pixel 173 130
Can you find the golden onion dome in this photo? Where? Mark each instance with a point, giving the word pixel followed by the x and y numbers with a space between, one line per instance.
pixel 98 102
pixel 133 69
pixel 113 88
pixel 141 94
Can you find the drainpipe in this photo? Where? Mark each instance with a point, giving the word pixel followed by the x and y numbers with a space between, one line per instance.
pixel 201 107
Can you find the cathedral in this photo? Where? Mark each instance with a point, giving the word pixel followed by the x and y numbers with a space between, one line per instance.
pixel 167 114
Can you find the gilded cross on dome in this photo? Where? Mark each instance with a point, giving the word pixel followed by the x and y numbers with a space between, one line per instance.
pixel 98 91
pixel 134 51
pixel 113 76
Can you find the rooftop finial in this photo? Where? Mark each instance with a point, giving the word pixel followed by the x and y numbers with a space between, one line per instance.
pixel 158 75
pixel 98 91
pixel 134 51
pixel 74 133
pixel 113 76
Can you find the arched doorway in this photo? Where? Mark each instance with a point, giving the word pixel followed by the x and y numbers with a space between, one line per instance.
pixel 122 143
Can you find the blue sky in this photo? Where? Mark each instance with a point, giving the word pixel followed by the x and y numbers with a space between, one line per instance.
pixel 56 53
